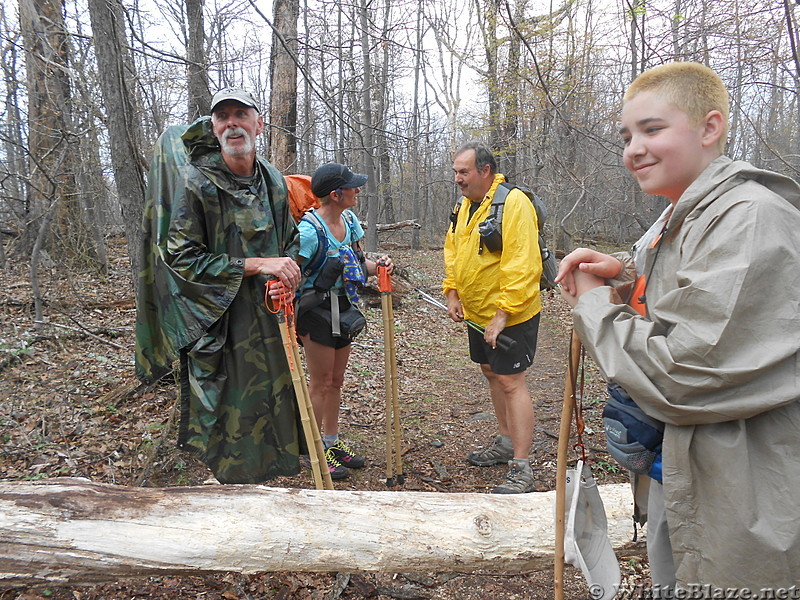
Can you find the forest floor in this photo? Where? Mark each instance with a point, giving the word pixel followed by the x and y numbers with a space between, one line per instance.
pixel 70 406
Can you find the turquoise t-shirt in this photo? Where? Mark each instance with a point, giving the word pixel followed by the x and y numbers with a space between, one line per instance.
pixel 308 245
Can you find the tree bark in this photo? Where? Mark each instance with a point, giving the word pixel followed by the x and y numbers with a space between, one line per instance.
pixel 15 169
pixel 416 200
pixel 283 95
pixel 367 131
pixel 488 13
pixel 509 119
pixel 199 94
pixel 72 531
pixel 116 73
pixel 52 141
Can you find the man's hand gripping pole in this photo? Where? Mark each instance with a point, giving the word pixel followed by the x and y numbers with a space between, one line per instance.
pixel 505 342
pixel 279 300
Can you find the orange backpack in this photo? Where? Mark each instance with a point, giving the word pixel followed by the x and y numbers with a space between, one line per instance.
pixel 301 198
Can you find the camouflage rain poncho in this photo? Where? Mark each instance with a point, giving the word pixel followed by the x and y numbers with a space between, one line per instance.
pixel 237 400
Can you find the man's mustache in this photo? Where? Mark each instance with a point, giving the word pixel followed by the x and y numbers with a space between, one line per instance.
pixel 231 132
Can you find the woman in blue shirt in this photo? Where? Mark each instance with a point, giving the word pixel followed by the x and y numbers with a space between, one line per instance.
pixel 327 318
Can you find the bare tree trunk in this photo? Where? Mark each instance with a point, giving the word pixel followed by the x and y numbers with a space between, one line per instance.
pixel 733 132
pixel 36 261
pixel 199 95
pixel 116 74
pixel 55 218
pixel 509 121
pixel 703 33
pixel 677 37
pixel 51 141
pixel 415 141
pixel 488 12
pixel 309 134
pixel 794 42
pixel 386 200
pixel 283 85
pixel 367 132
pixel 339 119
pixel 15 167
pixel 634 12
pixel 93 195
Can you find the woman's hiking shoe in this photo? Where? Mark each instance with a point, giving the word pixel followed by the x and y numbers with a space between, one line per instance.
pixel 346 456
pixel 494 454
pixel 337 470
pixel 519 479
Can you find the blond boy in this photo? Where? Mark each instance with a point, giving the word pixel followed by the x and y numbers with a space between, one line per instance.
pixel 714 354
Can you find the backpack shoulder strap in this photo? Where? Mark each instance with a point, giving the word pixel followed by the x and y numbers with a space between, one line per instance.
pixel 350 220
pixel 320 254
pixel 499 200
pixel 454 216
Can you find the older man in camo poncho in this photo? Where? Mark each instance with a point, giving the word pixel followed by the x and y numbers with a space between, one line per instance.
pixel 217 225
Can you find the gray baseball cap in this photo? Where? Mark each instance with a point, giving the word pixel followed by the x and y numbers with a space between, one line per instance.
pixel 236 94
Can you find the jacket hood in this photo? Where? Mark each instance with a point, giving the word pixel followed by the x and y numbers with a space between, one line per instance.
pixel 199 139
pixel 723 174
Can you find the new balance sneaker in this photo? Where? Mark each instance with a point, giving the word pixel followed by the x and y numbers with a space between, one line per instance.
pixel 346 456
pixel 337 470
pixel 519 479
pixel 494 454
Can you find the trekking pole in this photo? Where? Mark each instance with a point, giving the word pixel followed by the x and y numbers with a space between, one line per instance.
pixel 505 342
pixel 567 410
pixel 393 434
pixel 283 307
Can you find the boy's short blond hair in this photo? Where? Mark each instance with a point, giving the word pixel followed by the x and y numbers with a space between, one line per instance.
pixel 692 87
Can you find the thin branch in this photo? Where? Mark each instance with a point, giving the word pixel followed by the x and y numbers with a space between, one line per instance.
pixel 81 330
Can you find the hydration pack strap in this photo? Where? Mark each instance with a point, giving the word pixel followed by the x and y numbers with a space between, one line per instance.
pixel 335 329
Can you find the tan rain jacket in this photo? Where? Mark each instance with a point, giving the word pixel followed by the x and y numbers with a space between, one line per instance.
pixel 718 362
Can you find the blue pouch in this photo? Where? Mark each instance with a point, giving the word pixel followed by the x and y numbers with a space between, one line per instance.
pixel 632 438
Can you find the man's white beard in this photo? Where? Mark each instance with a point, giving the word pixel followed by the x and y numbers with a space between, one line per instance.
pixel 244 150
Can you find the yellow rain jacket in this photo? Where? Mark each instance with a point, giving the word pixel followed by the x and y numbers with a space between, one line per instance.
pixel 486 281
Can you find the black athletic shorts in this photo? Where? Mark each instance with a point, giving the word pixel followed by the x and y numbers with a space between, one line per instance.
pixel 503 362
pixel 314 324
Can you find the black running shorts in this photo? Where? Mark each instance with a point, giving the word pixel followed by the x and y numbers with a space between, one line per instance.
pixel 503 362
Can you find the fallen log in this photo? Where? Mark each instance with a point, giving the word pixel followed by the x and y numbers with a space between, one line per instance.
pixel 413 223
pixel 73 531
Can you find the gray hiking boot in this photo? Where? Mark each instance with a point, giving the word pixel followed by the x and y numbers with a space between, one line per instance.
pixel 494 454
pixel 519 479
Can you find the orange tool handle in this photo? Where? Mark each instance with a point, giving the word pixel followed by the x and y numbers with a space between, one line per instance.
pixel 384 279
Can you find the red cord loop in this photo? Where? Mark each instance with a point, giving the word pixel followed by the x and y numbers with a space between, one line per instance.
pixel 283 302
